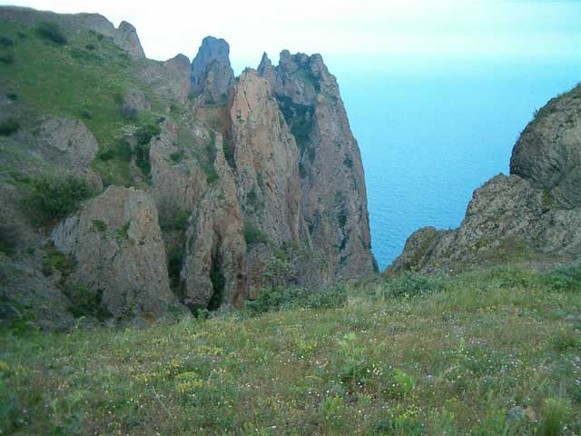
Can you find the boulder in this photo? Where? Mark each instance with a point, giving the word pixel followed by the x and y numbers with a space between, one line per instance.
pixel 116 243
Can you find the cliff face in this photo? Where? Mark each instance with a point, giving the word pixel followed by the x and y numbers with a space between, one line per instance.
pixel 334 199
pixel 534 214
pixel 184 187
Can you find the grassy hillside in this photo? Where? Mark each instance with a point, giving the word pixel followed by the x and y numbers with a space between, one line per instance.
pixel 81 76
pixel 490 352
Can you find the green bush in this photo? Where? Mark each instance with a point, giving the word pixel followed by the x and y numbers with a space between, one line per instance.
pixel 253 235
pixel 175 261
pixel 285 298
pixel 142 158
pixel 51 32
pixel 121 150
pixel 7 58
pixel 5 41
pixel 567 278
pixel 412 285
pixel 56 198
pixel 177 157
pixel 9 126
pixel 84 302
pixel 8 239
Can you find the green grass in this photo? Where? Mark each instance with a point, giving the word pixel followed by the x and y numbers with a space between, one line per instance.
pixel 493 352
pixel 84 77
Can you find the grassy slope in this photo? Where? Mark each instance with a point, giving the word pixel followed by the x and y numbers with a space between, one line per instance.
pixel 458 360
pixel 86 78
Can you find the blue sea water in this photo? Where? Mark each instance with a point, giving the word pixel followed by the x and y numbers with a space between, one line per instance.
pixel 430 133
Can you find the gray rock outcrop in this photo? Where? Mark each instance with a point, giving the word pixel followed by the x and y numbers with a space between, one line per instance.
pixel 211 74
pixel 532 215
pixel 333 197
pixel 548 152
pixel 116 242
pixel 170 79
pixel 126 38
pixel 214 271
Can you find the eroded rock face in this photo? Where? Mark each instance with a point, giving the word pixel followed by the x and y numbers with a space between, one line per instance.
pixel 266 157
pixel 548 153
pixel 214 271
pixel 126 38
pixel 178 182
pixel 169 79
pixel 116 242
pixel 533 214
pixel 333 198
pixel 211 74
pixel 71 144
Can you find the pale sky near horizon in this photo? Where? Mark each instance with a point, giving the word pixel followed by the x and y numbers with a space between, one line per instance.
pixel 469 29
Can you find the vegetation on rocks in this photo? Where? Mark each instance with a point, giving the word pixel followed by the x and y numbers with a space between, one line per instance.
pixel 53 197
pixel 483 352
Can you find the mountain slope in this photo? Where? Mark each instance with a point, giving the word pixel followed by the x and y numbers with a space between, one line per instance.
pixel 210 166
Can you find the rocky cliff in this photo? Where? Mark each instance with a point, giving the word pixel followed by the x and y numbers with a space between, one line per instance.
pixel 133 190
pixel 532 215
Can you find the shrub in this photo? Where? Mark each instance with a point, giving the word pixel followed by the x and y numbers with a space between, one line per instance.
pixel 142 158
pixel 8 239
pixel 284 298
pixel 122 151
pixel 555 414
pixel 101 226
pixel 567 278
pixel 146 132
pixel 84 302
pixel 51 32
pixel 6 41
pixel 9 126
pixel 229 153
pixel 413 284
pixel 175 261
pixel 348 162
pixel 128 112
pixel 177 157
pixel 253 235
pixel 7 58
pixel 57 198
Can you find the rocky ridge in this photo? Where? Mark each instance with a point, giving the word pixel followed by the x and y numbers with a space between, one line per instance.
pixel 532 215
pixel 204 188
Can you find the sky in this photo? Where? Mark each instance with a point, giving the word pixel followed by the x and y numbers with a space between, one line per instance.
pixel 378 29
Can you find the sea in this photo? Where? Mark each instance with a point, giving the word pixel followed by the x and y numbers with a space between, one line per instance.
pixel 431 131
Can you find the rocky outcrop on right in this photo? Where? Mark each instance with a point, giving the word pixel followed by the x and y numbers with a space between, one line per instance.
pixel 548 153
pixel 532 215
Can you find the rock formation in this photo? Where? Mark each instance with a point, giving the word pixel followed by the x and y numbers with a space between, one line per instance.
pixel 116 240
pixel 125 37
pixel 211 73
pixel 534 214
pixel 333 200
pixel 216 186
